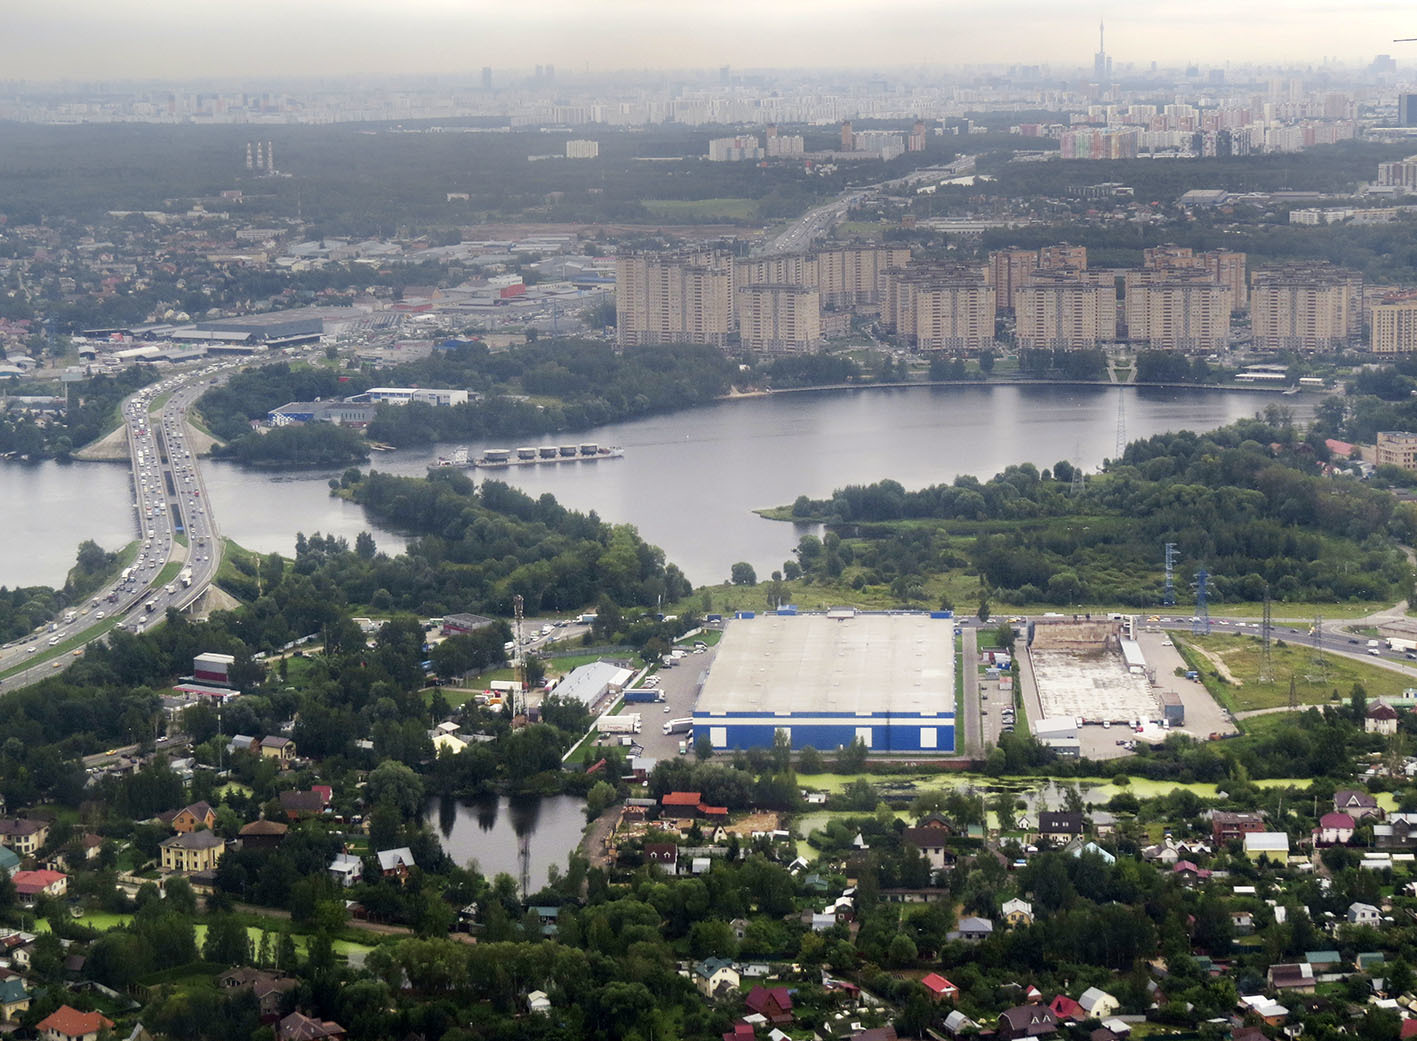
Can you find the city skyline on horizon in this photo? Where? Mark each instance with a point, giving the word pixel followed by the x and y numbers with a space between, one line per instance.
pixel 161 40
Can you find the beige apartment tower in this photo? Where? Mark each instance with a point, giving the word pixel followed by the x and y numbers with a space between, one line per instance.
pixel 779 319
pixel 1314 307
pixel 1066 310
pixel 1009 268
pixel 1178 309
pixel 856 274
pixel 674 298
pixel 1225 266
pixel 1394 329
pixel 941 308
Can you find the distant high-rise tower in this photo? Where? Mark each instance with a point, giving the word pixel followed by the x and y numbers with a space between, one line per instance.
pixel 260 157
pixel 250 160
pixel 1101 64
pixel 1407 110
pixel 848 139
pixel 270 158
pixel 725 75
pixel 487 77
pixel 550 74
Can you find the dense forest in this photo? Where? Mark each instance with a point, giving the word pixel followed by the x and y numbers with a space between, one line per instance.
pixel 1247 502
pixel 322 445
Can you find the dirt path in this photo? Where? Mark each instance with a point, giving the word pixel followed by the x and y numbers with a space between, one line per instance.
pixel 595 841
pixel 1219 664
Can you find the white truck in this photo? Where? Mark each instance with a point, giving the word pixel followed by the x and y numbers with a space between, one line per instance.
pixel 679 726
pixel 626 723
pixel 186 576
pixel 1402 645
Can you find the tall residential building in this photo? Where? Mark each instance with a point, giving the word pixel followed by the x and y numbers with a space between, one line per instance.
pixel 852 275
pixel 582 149
pixel 734 149
pixel 1010 268
pixel 1066 309
pixel 1178 309
pixel 1396 448
pixel 933 307
pixel 1407 110
pixel 487 77
pixel 779 318
pixel 1225 266
pixel 1401 173
pixel 1311 307
pixel 684 297
pixel 1394 329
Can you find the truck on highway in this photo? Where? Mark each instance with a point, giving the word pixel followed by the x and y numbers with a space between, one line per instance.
pixel 150 606
pixel 127 574
pixel 626 723
pixel 70 615
pixel 679 726
pixel 1402 645
pixel 186 577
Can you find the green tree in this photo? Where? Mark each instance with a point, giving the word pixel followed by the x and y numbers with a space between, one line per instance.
pixel 742 574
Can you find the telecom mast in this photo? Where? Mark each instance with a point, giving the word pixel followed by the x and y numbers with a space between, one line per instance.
pixel 519 663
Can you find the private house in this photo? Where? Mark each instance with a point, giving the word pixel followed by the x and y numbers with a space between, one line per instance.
pixel 14 999
pixel 680 805
pixel 190 818
pixel 192 852
pixel 1079 847
pixel 346 869
pixel 299 1027
pixel 1188 872
pixel 1066 1010
pixel 1363 914
pixel 774 1004
pixel 242 743
pixel 1357 804
pixel 31 884
pixel 23 835
pixel 263 834
pixel 1271 844
pixel 302 804
pixel 395 863
pixel 1098 1004
pixel 930 838
pixel 663 854
pixel 282 749
pixel 1026 1021
pixel 972 930
pixel 1243 922
pixel 538 1002
pixel 268 988
pixel 1225 826
pixel 69 1024
pixel 1381 718
pixel 1103 823
pixel 1017 912
pixel 9 861
pixel 1296 976
pixel 940 988
pixel 713 975
pixel 1059 828
pixel 1399 831
pixel 1335 829
pixel 957 1023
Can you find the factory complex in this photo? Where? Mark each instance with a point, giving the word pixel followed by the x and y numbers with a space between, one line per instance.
pixel 827 679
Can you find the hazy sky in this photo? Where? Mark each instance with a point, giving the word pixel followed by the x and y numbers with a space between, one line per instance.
pixel 145 39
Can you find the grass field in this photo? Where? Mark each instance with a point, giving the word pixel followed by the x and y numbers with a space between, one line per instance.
pixel 1313 685
pixel 861 229
pixel 703 209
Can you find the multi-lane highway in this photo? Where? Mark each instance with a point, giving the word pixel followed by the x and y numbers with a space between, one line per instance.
pixel 179 548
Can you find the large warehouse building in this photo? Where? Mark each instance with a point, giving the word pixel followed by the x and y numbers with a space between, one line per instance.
pixel 828 679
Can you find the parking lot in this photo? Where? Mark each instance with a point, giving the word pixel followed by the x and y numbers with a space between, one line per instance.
pixel 680 685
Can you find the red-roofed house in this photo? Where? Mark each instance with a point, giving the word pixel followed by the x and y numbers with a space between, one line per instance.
pixel 1065 1007
pixel 298 1027
pixel 1335 829
pixel 940 988
pixel 1408 1029
pixel 713 813
pixel 680 805
pixel 69 1024
pixel 741 1032
pixel 1340 450
pixel 772 1003
pixel 40 883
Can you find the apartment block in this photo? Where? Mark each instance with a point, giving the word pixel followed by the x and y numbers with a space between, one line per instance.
pixel 1178 309
pixel 1225 266
pixel 779 319
pixel 1396 448
pixel 682 297
pixel 855 275
pixel 1066 309
pixel 1394 325
pixel 1310 307
pixel 1399 174
pixel 1010 268
pixel 941 308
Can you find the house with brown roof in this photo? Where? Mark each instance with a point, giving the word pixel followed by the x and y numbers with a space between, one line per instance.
pixel 1357 804
pixel 300 1027
pixel 1298 976
pixel 23 835
pixel 302 804
pixel 268 988
pixel 263 834
pixel 1027 1021
pixel 1225 825
pixel 680 805
pixel 1060 827
pixel 772 1003
pixel 664 854
pixel 281 749
pixel 190 818
pixel 69 1024
pixel 1381 718
pixel 930 839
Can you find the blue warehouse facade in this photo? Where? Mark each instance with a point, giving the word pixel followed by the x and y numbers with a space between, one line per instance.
pixel 828 679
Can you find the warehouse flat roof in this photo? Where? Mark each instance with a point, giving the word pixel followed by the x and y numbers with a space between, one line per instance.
pixel 811 663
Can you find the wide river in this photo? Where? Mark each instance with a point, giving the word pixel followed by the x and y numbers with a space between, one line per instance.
pixel 688 481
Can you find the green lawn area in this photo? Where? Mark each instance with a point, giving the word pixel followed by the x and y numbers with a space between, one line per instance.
pixel 703 209
pixel 1312 685
pixel 159 401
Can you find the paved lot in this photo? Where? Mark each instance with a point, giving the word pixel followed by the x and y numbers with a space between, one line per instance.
pixel 1204 716
pixel 681 685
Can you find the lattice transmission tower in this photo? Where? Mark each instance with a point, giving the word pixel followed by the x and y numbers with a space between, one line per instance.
pixel 1168 594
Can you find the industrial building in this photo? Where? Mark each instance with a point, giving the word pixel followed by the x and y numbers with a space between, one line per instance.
pixel 1090 671
pixel 592 684
pixel 213 668
pixel 827 679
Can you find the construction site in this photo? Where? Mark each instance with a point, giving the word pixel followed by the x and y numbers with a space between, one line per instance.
pixel 1091 671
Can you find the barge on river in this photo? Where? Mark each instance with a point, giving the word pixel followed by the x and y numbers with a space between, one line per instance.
pixel 502 458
